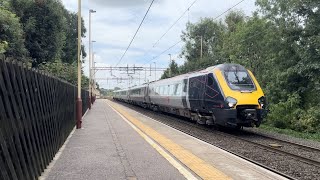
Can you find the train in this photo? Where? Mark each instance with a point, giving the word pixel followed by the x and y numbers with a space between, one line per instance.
pixel 224 95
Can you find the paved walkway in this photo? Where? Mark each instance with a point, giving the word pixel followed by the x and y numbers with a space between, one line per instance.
pixel 109 148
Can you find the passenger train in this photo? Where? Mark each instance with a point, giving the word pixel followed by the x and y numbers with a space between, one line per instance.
pixel 225 94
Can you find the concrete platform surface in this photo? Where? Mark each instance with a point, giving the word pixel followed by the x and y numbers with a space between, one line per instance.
pixel 109 148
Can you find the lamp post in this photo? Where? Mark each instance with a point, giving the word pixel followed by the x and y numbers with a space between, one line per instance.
pixel 170 71
pixel 79 101
pixel 94 74
pixel 155 71
pixel 90 59
pixel 201 47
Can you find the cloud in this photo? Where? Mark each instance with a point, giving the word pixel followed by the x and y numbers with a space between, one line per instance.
pixel 115 22
pixel 121 3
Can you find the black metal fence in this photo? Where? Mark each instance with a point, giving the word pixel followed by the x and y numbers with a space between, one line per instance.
pixel 37 113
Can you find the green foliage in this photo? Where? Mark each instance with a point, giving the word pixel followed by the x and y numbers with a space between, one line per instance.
pixel 107 92
pixel 304 135
pixel 11 35
pixel 280 44
pixel 43 31
pixel 285 114
pixel 45 27
pixel 65 71
pixel 3 46
pixel 210 32
pixel 173 70
pixel 62 70
pixel 70 48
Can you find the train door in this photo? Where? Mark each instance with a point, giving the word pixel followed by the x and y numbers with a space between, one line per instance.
pixel 184 94
pixel 213 97
pixel 196 92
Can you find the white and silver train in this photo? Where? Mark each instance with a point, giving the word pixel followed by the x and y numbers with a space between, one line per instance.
pixel 226 94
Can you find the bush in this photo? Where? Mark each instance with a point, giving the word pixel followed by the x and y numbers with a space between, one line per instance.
pixel 283 114
pixel 290 115
pixel 310 121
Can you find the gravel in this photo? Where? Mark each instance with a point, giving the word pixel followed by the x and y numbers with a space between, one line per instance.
pixel 284 137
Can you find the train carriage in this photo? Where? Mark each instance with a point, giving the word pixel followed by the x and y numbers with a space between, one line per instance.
pixel 226 94
pixel 138 94
pixel 121 95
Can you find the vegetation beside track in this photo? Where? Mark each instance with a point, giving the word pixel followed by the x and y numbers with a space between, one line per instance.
pixel 303 135
pixel 279 43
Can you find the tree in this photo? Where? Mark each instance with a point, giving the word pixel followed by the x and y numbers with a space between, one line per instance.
pixel 173 70
pixel 70 49
pixel 44 26
pixel 11 35
pixel 233 19
pixel 211 33
pixel 296 65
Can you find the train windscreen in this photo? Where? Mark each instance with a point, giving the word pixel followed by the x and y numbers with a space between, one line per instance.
pixel 239 80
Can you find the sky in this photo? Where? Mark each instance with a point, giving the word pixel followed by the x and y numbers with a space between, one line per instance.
pixel 116 21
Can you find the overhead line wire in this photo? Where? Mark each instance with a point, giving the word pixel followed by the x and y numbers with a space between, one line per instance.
pixel 228 10
pixel 174 23
pixel 180 18
pixel 165 50
pixel 135 34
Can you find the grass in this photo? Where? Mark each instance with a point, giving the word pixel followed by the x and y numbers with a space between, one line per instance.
pixel 310 136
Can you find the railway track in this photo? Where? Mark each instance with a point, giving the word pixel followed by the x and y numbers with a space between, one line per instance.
pixel 276 159
pixel 307 153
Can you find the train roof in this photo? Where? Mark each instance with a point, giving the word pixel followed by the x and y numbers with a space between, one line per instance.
pixel 223 67
pixel 130 88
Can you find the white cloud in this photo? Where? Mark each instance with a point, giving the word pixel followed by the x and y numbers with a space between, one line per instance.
pixel 115 22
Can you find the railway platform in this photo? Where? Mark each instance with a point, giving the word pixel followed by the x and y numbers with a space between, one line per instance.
pixel 119 143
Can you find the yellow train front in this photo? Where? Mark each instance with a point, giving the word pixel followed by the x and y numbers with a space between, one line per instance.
pixel 231 94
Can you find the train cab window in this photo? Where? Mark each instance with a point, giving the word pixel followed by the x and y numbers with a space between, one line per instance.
pixel 210 81
pixel 239 80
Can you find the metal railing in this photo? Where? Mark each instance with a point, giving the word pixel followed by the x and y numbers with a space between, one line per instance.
pixel 37 113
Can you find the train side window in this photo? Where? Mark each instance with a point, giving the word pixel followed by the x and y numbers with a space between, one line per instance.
pixel 172 89
pixel 175 89
pixel 161 90
pixel 210 81
pixel 165 91
pixel 178 89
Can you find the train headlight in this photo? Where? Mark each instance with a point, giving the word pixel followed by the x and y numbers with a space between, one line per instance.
pixel 232 102
pixel 262 101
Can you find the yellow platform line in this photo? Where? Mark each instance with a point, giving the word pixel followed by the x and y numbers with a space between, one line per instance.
pixel 197 165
